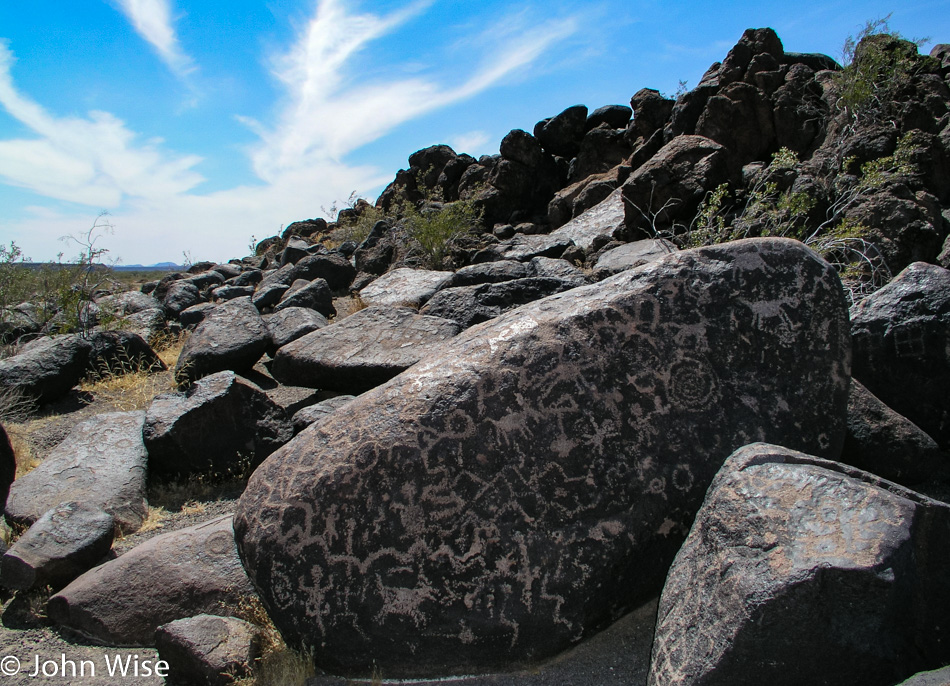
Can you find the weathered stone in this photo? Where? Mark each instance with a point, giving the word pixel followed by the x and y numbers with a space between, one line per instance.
pixel 290 323
pixel 521 147
pixel 130 302
pixel 7 465
pixel 180 296
pixel 295 250
pixel 535 476
pixel 208 649
pixel 470 305
pixel 171 576
pixel 101 463
pixel 801 570
pixel 195 314
pixel 332 267
pixel 601 149
pixel 633 255
pixel 605 218
pixel 672 184
pixel 739 118
pixel 548 267
pixel 268 295
pixel 936 677
pixel 147 323
pixel 65 542
pixel 221 425
pixel 228 270
pixel 901 354
pixel 883 442
pixel 404 287
pixel 561 135
pixel 361 351
pixel 651 112
pixel 120 352
pixel 48 371
pixel 488 272
pixel 232 336
pixel 206 280
pixel 222 293
pixel 314 413
pixel 316 296
pixel 523 248
pixel 614 116
pixel 251 277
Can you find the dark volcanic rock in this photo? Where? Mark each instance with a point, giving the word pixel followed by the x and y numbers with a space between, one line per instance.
pixel 314 413
pixel 7 465
pixel 534 477
pixel 48 370
pixel 901 354
pixel 332 267
pixel 233 336
pixel 470 305
pixel 404 287
pixel 218 422
pixel 883 442
pixel 671 185
pixel 561 135
pixel 208 649
pixel 180 296
pixel 62 544
pixel 101 463
pixel 316 296
pixel 172 576
pixel 361 351
pixel 120 352
pixel 614 116
pixel 290 323
pixel 488 272
pixel 803 571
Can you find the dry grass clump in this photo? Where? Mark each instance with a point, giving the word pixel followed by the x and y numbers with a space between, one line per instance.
pixel 278 665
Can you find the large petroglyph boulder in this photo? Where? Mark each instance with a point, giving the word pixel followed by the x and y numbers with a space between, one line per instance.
pixel 804 571
pixel 533 479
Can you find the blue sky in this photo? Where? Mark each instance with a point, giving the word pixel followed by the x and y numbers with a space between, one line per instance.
pixel 197 124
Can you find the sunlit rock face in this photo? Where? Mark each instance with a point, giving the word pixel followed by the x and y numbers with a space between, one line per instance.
pixel 534 477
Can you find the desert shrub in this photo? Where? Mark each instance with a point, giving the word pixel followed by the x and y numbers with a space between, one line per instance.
pixel 878 64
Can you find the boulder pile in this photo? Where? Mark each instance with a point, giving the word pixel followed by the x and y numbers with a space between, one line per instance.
pixel 693 349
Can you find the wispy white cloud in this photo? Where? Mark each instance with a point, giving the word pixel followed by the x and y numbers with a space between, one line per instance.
pixel 96 160
pixel 470 142
pixel 152 19
pixel 327 112
pixel 325 117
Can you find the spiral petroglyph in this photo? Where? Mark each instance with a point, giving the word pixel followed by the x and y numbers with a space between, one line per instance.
pixel 533 479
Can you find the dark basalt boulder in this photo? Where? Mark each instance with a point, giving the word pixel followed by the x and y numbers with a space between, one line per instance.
pixel 171 576
pixel 799 570
pixel 614 116
pixel 180 296
pixel 101 463
pixel 332 267
pixel 561 135
pixel 120 352
pixel 470 305
pixel 221 425
pixel 232 336
pixel 7 465
pixel 883 442
pixel 208 650
pixel 314 413
pixel 291 323
pixel 48 370
pixel 900 336
pixel 315 295
pixel 361 351
pixel 533 478
pixel 66 541
pixel 671 185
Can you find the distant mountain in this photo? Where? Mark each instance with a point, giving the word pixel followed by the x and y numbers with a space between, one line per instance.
pixel 160 267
